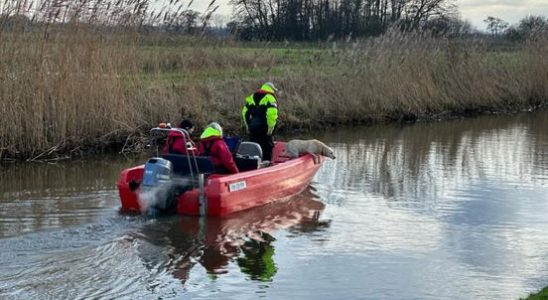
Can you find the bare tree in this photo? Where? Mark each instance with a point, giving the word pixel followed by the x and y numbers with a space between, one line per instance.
pixel 320 19
pixel 496 25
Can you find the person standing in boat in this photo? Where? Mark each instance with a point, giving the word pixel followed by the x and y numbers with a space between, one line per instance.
pixel 212 145
pixel 175 143
pixel 259 117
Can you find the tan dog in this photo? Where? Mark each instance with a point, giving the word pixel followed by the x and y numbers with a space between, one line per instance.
pixel 294 148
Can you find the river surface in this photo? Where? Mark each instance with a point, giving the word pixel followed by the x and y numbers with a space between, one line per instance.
pixel 449 210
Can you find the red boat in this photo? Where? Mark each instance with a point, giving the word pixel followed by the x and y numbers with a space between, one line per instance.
pixel 206 193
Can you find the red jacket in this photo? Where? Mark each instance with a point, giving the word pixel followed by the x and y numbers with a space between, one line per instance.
pixel 216 148
pixel 178 146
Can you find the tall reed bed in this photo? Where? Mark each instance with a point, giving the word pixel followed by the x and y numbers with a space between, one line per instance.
pixel 99 81
pixel 416 77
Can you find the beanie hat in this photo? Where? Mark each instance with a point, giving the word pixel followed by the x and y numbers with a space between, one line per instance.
pixel 186 124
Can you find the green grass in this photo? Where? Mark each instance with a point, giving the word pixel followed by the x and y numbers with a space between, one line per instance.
pixel 178 78
pixel 276 62
pixel 542 295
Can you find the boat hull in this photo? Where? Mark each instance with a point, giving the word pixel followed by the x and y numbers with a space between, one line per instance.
pixel 232 193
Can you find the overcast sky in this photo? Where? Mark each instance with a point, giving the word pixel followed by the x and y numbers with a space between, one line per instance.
pixel 473 10
pixel 509 10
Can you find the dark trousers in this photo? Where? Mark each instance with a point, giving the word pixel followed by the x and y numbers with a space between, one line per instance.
pixel 266 143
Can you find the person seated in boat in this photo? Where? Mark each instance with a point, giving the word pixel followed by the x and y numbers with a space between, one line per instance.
pixel 175 143
pixel 212 145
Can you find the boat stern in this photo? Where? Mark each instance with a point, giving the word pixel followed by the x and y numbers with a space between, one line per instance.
pixel 128 185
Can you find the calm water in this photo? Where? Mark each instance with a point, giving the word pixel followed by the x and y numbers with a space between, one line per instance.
pixel 452 210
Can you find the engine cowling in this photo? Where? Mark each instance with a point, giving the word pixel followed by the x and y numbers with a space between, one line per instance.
pixel 157 172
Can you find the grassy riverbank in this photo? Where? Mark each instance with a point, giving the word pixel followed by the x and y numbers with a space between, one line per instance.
pixel 542 295
pixel 72 89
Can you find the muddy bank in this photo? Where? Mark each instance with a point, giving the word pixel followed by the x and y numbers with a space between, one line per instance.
pixel 138 141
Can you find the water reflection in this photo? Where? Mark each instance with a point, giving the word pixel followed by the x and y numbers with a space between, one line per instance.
pixel 244 238
pixel 453 210
pixel 23 180
pixel 38 196
pixel 423 161
pixel 258 258
pixel 466 198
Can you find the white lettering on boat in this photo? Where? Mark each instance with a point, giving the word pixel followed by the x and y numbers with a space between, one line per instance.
pixel 236 186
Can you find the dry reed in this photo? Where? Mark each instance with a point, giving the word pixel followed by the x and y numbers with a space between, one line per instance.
pixel 95 81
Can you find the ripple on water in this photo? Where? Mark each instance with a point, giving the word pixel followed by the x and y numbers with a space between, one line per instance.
pixel 452 210
pixel 81 263
pixel 48 213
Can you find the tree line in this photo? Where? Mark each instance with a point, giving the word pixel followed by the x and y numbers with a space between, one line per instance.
pixel 303 20
pixel 530 27
pixel 293 20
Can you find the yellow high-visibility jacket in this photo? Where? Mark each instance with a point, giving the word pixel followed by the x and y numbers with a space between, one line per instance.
pixel 260 112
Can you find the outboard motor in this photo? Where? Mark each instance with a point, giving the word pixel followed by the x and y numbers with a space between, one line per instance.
pixel 158 189
pixel 157 172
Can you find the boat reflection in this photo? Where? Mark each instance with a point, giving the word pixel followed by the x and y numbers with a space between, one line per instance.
pixel 244 238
